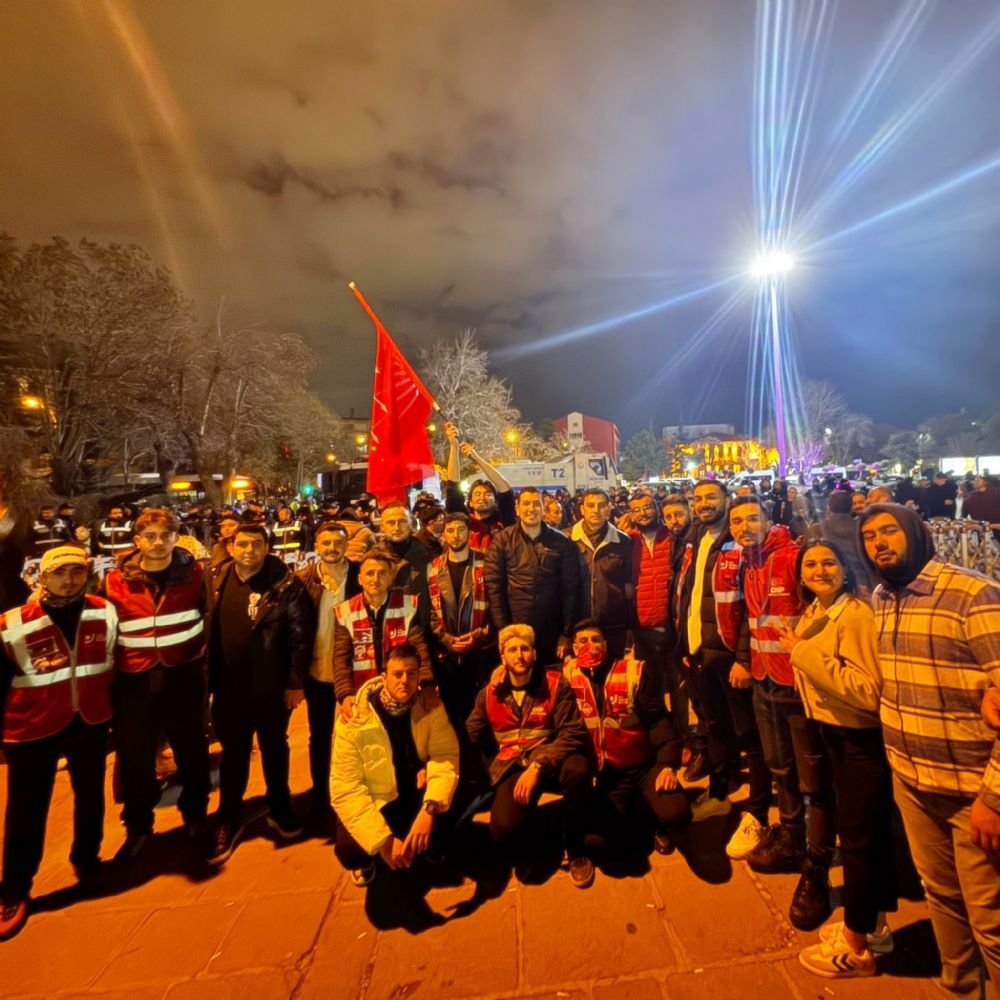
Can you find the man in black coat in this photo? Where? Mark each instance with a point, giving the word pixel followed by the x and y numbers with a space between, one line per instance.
pixel 261 623
pixel 532 577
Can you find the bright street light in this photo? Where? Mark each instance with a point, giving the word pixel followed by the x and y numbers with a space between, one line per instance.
pixel 31 403
pixel 770 264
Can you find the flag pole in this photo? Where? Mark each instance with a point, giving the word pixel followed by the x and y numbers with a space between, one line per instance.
pixel 378 323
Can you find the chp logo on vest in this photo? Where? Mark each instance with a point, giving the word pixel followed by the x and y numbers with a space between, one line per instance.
pixel 778 589
pixel 46 656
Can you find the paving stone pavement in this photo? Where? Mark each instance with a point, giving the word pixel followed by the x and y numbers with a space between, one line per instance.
pixel 282 921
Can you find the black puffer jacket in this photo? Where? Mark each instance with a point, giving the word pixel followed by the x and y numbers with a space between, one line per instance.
pixel 533 581
pixel 283 634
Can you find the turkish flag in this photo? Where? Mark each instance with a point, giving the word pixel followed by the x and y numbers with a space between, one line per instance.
pixel 399 453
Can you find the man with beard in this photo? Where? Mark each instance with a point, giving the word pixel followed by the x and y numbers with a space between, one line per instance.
pixel 938 628
pixel 330 580
pixel 722 690
pixel 491 500
pixel 460 620
pixel 159 684
pixel 764 571
pixel 56 666
pixel 529 731
pixel 262 628
pixel 637 749
pixel 113 536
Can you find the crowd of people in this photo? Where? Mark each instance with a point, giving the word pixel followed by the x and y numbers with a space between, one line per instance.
pixel 474 653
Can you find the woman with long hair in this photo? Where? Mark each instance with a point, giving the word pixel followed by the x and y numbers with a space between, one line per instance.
pixel 835 656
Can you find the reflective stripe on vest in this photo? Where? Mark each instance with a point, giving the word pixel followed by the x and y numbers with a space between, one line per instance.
pixel 109 532
pixel 353 615
pixel 160 621
pixel 517 735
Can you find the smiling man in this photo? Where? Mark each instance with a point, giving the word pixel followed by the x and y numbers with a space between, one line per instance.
pixel 938 628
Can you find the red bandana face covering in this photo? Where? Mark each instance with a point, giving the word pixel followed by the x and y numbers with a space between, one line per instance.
pixel 590 654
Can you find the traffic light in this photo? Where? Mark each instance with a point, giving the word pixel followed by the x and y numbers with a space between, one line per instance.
pixel 286 452
pixel 308 489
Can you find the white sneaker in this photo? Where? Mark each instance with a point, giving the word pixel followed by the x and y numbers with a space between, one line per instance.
pixel 835 959
pixel 879 943
pixel 748 835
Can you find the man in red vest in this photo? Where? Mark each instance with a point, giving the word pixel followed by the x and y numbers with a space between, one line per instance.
pixel 56 666
pixel 529 731
pixel 160 677
pixel 369 625
pixel 638 750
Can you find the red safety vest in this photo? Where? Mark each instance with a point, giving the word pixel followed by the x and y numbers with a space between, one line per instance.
pixel 480 605
pixel 619 738
pixel 53 683
pixel 353 615
pixel 517 734
pixel 170 632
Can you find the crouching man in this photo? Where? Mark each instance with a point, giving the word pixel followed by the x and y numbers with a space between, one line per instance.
pixel 395 770
pixel 56 664
pixel 526 725
pixel 638 750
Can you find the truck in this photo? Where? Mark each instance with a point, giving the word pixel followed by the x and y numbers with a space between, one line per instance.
pixel 575 472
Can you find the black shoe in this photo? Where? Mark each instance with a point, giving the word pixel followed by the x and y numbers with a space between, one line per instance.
pixel 698 767
pixel 226 838
pixel 581 871
pixel 13 916
pixel 285 825
pixel 780 851
pixel 135 844
pixel 88 875
pixel 811 902
pixel 663 843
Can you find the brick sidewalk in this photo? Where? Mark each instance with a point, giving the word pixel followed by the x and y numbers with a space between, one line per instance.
pixel 281 921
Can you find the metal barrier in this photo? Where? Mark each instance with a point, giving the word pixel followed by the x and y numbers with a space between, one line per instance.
pixel 973 544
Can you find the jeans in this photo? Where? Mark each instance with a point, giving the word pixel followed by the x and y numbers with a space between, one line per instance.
pixel 962 886
pixel 797 759
pixel 863 783
pixel 31 772
pixel 164 699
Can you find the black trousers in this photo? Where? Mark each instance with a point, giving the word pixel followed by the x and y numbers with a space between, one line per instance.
pixel 163 700
pixel 863 783
pixel 657 650
pixel 732 728
pixel 237 720
pixel 626 799
pixel 573 782
pixel 31 772
pixel 399 814
pixel 321 707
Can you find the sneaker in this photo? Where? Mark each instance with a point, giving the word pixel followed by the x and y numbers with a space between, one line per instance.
pixel 363 876
pixel 707 805
pixel 834 958
pixel 13 916
pixel 285 825
pixel 135 844
pixel 581 871
pixel 879 943
pixel 811 901
pixel 697 768
pixel 663 843
pixel 747 837
pixel 778 853
pixel 224 843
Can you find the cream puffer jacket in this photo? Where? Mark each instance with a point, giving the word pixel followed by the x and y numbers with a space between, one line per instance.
pixel 363 778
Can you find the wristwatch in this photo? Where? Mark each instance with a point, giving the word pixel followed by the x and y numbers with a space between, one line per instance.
pixel 431 807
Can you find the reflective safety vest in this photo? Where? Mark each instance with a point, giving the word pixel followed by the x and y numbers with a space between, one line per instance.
pixel 48 534
pixel 170 632
pixel 353 615
pixel 54 683
pixel 619 737
pixel 287 536
pixel 114 539
pixel 518 733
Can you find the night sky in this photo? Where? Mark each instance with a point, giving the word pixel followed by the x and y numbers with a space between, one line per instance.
pixel 531 170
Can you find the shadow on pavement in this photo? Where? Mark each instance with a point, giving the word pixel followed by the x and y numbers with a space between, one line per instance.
pixel 915 955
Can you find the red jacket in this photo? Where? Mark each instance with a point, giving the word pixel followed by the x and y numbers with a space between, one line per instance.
pixel 53 683
pixel 770 588
pixel 168 631
pixel 651 575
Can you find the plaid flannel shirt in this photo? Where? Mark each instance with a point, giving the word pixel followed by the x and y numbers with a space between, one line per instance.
pixel 939 649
